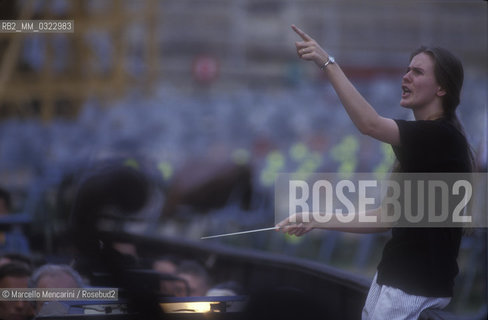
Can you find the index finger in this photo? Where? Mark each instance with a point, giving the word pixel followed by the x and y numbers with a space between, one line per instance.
pixel 302 34
pixel 283 223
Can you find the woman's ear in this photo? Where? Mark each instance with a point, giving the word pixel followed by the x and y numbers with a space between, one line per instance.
pixel 441 92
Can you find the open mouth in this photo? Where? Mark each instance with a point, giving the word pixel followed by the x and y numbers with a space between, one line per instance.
pixel 405 91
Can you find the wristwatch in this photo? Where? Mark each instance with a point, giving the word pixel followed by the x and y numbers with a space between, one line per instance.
pixel 330 60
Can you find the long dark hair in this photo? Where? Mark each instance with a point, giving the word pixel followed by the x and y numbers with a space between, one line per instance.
pixel 449 74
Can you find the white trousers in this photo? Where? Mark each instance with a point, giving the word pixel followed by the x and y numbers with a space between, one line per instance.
pixel 384 302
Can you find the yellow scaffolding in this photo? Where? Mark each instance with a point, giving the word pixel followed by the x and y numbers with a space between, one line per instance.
pixel 46 93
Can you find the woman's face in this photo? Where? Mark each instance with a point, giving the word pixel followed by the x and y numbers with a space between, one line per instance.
pixel 419 86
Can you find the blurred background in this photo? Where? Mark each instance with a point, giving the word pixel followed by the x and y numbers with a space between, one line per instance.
pixel 208 98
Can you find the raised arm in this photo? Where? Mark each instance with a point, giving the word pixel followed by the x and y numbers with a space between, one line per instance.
pixel 362 114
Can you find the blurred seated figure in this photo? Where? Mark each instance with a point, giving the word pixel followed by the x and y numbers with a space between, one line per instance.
pixel 229 288
pixel 54 276
pixel 165 264
pixel 204 185
pixel 15 275
pixel 126 248
pixel 15 257
pixel 12 239
pixel 196 277
pixel 128 253
pixel 107 197
pixel 170 285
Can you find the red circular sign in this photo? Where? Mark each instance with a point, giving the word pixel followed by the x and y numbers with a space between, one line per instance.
pixel 205 69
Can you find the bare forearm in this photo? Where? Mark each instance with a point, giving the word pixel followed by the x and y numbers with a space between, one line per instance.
pixel 300 223
pixel 364 117
pixel 359 110
pixel 355 225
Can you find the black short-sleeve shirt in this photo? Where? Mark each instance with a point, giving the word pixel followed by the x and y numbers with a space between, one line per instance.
pixel 422 261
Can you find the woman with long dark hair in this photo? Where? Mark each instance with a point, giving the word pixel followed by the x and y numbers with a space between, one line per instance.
pixel 418 265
